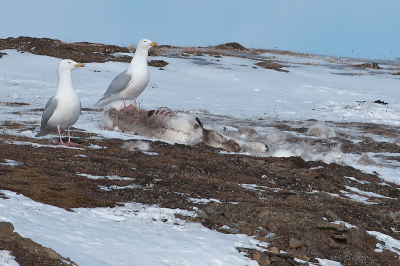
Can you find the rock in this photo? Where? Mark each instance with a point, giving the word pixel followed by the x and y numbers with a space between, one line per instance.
pixel 264 217
pixel 262 239
pixel 271 237
pixel 273 226
pixel 246 230
pixel 327 225
pixel 274 250
pixel 157 63
pixel 253 162
pixel 395 216
pixel 261 258
pixel 314 175
pixel 301 256
pixel 294 243
pixel 245 250
pixel 6 230
pixel 342 227
pixel 255 255
pixel 271 65
pixel 331 215
pixel 291 262
pixel 262 233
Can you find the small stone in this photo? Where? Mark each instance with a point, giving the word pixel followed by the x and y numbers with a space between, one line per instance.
pixel 246 230
pixel 331 215
pixel 6 230
pixel 274 250
pixel 327 225
pixel 256 255
pixel 253 162
pixel 291 262
pixel 309 175
pixel 395 216
pixel 376 200
pixel 262 233
pixel 301 256
pixel 262 239
pixel 294 243
pixel 264 217
pixel 271 237
pixel 273 226
pixel 342 227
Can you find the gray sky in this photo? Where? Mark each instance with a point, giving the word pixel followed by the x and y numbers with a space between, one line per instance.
pixel 365 29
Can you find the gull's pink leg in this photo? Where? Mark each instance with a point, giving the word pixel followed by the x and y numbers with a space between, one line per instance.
pixel 69 143
pixel 129 106
pixel 59 133
pixel 123 98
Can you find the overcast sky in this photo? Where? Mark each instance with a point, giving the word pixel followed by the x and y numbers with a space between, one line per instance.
pixel 354 28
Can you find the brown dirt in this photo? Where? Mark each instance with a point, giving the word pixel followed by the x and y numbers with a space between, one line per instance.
pixel 158 63
pixel 83 52
pixel 288 196
pixel 369 65
pixel 232 46
pixel 271 65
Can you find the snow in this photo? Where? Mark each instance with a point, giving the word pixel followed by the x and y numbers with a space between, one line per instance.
pixel 390 243
pixel 144 235
pixel 325 262
pixel 11 162
pixel 218 89
pixel 6 259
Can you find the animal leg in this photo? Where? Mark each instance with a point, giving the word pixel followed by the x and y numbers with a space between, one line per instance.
pixel 69 143
pixel 131 105
pixel 123 98
pixel 59 133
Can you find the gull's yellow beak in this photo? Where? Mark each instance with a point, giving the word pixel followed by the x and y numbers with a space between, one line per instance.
pixel 154 44
pixel 80 65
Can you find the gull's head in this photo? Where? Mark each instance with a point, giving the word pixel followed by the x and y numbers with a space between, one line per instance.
pixel 146 44
pixel 68 65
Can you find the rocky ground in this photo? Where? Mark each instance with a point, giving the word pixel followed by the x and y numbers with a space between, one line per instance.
pixel 286 202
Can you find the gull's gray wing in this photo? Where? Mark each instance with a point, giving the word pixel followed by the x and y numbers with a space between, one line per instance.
pixel 47 113
pixel 119 83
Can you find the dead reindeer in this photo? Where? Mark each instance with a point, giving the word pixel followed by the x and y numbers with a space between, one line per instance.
pixel 214 139
pixel 166 125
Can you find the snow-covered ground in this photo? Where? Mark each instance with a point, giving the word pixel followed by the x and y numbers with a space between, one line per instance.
pixel 318 88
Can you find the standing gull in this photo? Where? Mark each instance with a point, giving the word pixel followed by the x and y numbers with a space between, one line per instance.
pixel 63 109
pixel 130 83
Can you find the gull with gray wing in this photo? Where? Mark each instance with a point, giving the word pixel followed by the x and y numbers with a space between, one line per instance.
pixel 63 109
pixel 129 84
